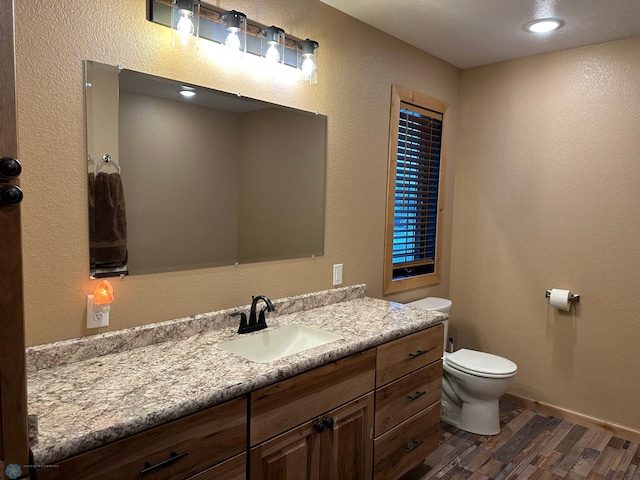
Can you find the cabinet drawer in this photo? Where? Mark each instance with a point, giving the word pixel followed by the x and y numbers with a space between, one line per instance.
pixel 397 401
pixel 286 404
pixel 233 469
pixel 405 446
pixel 409 353
pixel 195 442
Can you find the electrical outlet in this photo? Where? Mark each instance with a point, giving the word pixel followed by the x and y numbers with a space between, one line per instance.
pixel 337 274
pixel 97 315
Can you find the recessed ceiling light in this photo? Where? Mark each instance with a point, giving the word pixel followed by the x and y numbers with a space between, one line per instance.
pixel 543 25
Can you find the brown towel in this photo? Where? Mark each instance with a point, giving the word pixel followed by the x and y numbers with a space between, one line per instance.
pixel 107 221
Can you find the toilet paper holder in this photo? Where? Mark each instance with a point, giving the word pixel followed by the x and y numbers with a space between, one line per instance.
pixel 574 298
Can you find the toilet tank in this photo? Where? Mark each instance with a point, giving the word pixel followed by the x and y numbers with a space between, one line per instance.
pixel 439 305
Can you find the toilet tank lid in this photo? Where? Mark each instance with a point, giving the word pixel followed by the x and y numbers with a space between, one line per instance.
pixel 481 362
pixel 431 303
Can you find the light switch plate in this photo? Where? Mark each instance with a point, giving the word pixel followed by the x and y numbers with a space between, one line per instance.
pixel 337 274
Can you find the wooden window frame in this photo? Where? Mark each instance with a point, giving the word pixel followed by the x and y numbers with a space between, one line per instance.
pixel 398 96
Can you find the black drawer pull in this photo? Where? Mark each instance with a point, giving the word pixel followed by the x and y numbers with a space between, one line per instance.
pixel 416 396
pixel 411 446
pixel 174 456
pixel 418 353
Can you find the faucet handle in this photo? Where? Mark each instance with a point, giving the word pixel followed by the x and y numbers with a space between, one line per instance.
pixel 261 319
pixel 243 321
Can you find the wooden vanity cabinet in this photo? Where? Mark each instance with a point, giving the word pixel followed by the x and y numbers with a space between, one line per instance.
pixel 336 445
pixel 175 450
pixel 310 426
pixel 407 397
pixel 382 434
pixel 374 414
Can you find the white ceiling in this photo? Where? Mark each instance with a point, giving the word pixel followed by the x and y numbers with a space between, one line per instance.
pixel 468 33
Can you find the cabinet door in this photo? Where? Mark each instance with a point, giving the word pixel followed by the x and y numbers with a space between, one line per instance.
pixel 294 455
pixel 346 446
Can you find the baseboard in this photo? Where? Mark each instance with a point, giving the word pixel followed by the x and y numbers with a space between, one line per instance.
pixel 575 417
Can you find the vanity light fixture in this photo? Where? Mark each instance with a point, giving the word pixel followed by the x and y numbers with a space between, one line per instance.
pixel 234 31
pixel 99 304
pixel 543 25
pixel 273 44
pixel 308 60
pixel 185 23
pixel 236 40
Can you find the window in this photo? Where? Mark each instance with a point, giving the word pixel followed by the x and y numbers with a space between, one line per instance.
pixel 415 178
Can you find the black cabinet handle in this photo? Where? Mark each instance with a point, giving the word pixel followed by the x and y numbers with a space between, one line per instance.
pixel 326 422
pixel 174 456
pixel 9 167
pixel 412 445
pixel 416 396
pixel 329 422
pixel 418 353
pixel 10 195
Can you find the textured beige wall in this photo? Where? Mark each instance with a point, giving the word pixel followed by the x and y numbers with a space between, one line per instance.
pixel 358 66
pixel 547 197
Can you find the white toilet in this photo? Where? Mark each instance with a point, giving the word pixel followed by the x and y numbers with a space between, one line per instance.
pixel 472 381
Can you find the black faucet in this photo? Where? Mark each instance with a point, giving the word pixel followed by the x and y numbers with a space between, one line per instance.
pixel 256 321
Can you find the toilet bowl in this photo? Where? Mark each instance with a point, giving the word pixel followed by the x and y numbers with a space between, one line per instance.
pixel 472 381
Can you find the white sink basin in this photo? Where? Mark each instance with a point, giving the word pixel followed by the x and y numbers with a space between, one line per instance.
pixel 280 342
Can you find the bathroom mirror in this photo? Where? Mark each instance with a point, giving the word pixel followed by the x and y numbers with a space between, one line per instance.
pixel 207 180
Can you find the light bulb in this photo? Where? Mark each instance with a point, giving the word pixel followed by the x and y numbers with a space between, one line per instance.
pixel 308 67
pixel 273 55
pixel 233 41
pixel 307 60
pixel 185 26
pixel 103 293
pixel 544 25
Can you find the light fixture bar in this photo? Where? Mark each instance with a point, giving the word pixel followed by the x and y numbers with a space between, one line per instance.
pixel 212 14
pixel 232 29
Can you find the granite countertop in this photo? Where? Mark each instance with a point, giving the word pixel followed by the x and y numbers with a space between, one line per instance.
pixel 87 392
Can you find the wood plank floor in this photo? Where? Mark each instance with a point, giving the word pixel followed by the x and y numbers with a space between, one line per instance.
pixel 530 446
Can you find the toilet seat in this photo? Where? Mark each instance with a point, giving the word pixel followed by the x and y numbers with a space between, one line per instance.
pixel 481 364
pixel 432 303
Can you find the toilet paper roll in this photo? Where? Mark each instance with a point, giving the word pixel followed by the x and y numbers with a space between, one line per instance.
pixel 560 299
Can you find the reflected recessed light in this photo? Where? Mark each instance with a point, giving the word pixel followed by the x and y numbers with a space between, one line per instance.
pixel 543 25
pixel 185 92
